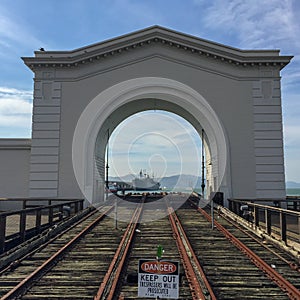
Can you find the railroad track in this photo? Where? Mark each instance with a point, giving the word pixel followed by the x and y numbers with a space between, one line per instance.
pixel 102 262
pixel 230 273
pixel 90 258
pixel 149 236
pixel 17 280
pixel 164 231
pixel 238 266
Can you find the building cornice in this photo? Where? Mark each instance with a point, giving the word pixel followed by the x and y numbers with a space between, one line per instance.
pixel 15 144
pixel 155 35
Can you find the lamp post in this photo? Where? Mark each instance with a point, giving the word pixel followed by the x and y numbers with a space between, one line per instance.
pixel 107 167
pixel 203 166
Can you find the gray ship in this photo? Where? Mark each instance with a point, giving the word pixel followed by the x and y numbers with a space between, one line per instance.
pixel 145 183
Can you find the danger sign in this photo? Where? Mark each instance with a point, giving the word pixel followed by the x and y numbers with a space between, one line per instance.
pixel 158 279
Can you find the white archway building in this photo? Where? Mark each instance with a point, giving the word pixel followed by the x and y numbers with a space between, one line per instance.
pixel 128 97
pixel 233 95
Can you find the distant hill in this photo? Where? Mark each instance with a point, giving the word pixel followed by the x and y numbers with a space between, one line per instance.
pixel 292 185
pixel 183 181
pixel 127 178
pixel 180 181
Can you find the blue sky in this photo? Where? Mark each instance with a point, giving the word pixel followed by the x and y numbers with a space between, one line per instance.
pixel 26 26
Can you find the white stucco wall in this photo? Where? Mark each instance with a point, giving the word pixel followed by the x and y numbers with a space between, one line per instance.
pixel 14 165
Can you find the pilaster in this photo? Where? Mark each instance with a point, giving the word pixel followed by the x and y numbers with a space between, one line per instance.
pixel 44 162
pixel 268 138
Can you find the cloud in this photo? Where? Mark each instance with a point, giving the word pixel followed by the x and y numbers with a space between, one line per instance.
pixel 266 24
pixel 15 93
pixel 257 23
pixel 15 108
pixel 158 141
pixel 291 78
pixel 15 33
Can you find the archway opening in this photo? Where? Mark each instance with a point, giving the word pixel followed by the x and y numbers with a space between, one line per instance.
pixel 155 146
pixel 177 151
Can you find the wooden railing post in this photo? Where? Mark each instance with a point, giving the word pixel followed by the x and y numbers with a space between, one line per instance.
pixel 230 205
pixel 38 220
pixel 268 220
pixel 76 207
pixel 256 215
pixel 50 216
pixel 22 225
pixel 61 212
pixel 283 226
pixel 295 205
pixel 2 233
pixel 299 228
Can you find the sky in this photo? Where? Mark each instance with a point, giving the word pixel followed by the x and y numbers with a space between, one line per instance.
pixel 26 26
pixel 156 143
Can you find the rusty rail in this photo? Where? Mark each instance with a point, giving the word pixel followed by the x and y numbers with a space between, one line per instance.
pixel 194 272
pixel 108 286
pixel 26 283
pixel 17 260
pixel 291 264
pixel 285 285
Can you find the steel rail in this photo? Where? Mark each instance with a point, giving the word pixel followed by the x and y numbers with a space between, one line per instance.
pixel 14 264
pixel 292 265
pixel 109 283
pixel 27 282
pixel 191 254
pixel 187 254
pixel 282 283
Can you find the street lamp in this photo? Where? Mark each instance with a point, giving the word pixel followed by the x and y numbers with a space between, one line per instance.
pixel 203 166
pixel 107 167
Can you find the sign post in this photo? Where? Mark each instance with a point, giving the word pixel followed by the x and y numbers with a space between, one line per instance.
pixel 158 279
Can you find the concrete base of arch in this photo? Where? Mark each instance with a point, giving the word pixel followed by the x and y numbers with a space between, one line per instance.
pixel 119 101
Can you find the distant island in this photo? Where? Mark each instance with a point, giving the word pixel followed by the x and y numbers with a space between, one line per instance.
pixel 184 180
pixel 292 185
pixel 168 182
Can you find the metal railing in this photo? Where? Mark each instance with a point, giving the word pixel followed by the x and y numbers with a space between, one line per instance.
pixel 293 202
pixel 283 224
pixel 16 226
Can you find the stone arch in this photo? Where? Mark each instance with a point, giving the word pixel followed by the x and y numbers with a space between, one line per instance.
pixel 104 112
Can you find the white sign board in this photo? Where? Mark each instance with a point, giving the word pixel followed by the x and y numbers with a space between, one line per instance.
pixel 158 279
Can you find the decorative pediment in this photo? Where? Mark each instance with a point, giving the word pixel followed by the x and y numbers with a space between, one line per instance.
pixel 158 35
